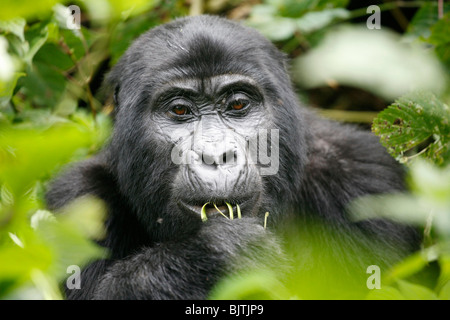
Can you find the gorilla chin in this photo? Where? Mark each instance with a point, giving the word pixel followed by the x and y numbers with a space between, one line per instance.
pixel 206 118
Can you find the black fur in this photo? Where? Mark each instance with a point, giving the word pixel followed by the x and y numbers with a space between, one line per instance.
pixel 159 252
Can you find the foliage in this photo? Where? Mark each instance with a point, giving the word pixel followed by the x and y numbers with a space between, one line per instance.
pixel 49 116
pixel 35 246
pixel 412 120
pixel 51 113
pixel 280 20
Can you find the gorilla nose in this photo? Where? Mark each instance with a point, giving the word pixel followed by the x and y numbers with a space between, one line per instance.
pixel 219 157
pixel 214 153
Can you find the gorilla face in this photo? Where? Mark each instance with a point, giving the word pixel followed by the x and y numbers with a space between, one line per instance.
pixel 210 123
pixel 198 120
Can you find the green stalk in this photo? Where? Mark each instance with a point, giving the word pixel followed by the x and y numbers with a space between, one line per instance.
pixel 230 210
pixel 220 211
pixel 265 219
pixel 203 212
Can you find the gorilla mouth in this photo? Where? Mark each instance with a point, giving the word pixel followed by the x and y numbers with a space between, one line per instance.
pixel 212 208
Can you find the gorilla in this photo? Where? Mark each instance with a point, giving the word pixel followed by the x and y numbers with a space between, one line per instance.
pixel 206 124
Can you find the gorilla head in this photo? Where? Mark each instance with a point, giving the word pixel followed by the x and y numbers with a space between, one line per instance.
pixel 204 111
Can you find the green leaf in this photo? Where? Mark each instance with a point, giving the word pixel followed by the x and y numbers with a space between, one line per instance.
pixel 257 285
pixel 68 239
pixel 412 264
pixel 31 154
pixel 423 20
pixel 444 293
pixel 103 11
pixel 415 292
pixel 126 32
pixel 36 37
pixel 313 21
pixel 410 121
pixel 265 19
pixel 6 65
pixel 44 85
pixel 440 37
pixel 385 293
pixel 7 89
pixel 295 8
pixel 25 8
pixel 15 26
pixel 427 205
pixel 374 61
pixel 440 32
pixel 52 55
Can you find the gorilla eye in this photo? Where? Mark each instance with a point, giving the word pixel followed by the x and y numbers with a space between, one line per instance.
pixel 238 105
pixel 181 110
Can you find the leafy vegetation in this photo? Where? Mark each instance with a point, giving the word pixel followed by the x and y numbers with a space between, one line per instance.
pixel 52 113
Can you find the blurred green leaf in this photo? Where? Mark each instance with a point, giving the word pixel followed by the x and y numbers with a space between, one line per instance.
pixel 404 291
pixel 412 264
pixel 444 293
pixel 29 154
pixel 374 61
pixel 257 285
pixel 15 26
pixel 67 238
pixel 103 11
pixel 385 293
pixel 279 20
pixel 295 8
pixel 265 19
pixel 313 21
pixel 429 201
pixel 6 65
pixel 415 292
pixel 7 89
pixel 42 257
pixel 25 8
pixel 126 31
pixel 35 253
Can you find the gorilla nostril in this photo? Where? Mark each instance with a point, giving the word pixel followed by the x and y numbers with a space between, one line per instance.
pixel 229 157
pixel 208 159
pixel 226 158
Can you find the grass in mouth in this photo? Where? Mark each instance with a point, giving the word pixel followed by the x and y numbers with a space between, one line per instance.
pixel 230 213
